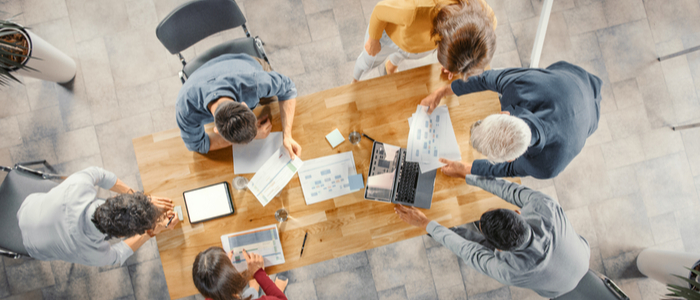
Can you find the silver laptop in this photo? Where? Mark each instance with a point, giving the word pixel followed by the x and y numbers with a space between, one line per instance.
pixel 408 187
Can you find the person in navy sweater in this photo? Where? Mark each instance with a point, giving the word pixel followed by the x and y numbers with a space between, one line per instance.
pixel 547 115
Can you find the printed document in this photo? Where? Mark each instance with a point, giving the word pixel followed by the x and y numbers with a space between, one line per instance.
pixel 431 137
pixel 274 175
pixel 264 241
pixel 328 177
pixel 250 157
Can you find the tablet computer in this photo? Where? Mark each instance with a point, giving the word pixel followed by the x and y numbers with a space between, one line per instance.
pixel 208 202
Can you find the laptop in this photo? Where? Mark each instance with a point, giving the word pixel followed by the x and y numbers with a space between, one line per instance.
pixel 397 180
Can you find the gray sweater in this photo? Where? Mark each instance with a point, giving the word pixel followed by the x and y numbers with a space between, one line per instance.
pixel 551 262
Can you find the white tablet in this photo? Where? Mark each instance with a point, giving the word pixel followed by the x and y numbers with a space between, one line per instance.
pixel 208 202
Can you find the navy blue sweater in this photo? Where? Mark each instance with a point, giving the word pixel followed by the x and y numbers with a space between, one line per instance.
pixel 561 104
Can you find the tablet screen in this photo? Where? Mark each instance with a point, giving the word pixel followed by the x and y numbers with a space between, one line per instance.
pixel 208 202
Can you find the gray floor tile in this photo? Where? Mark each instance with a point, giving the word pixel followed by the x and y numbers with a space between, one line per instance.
pixel 34 11
pixel 623 152
pixel 399 263
pixel 351 26
pixel 557 45
pixel 627 122
pixel 421 290
pixel 352 261
pixel 658 104
pixel 665 228
pixel 322 54
pixel 445 268
pixel 602 134
pixel 556 5
pixel 164 118
pixel 283 27
pixel 660 142
pixel 509 59
pixel 99 84
pixel 357 284
pixel 169 88
pixel 71 289
pixel 623 11
pixel 627 94
pixel 301 290
pixel 141 13
pixel 33 295
pixel 24 275
pixel 585 18
pixel 651 289
pixel 35 150
pixel 164 7
pixel 58 33
pixel 147 252
pixel 666 184
pixel 41 94
pixel 136 58
pixel 630 288
pixel 518 10
pixel 74 102
pixel 621 226
pixel 4 286
pixel 322 25
pixel 499 294
pixel 115 142
pixel 623 181
pixel 670 19
pixel 475 282
pixel 675 69
pixel 691 143
pixel 429 242
pixel 314 271
pixel 139 99
pixel 595 263
pixel 623 266
pixel 505 42
pixel 111 284
pixel 14 100
pixel 585 47
pixel 580 218
pixel 76 144
pixel 316 6
pixel 455 292
pixel 96 18
pixel 148 280
pixel 397 293
pixel 627 49
pixel 688 221
pixel 329 77
pixel 524 294
pixel 579 185
pixel 287 61
pixel 685 100
pixel 41 123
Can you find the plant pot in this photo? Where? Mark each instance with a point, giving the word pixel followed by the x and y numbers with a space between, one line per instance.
pixel 661 265
pixel 48 62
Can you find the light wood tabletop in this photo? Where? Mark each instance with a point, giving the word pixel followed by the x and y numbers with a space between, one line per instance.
pixel 380 108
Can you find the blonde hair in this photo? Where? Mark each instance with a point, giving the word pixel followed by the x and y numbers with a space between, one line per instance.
pixel 465 38
pixel 501 137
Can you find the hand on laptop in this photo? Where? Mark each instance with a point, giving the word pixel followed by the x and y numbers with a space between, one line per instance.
pixel 455 168
pixel 412 216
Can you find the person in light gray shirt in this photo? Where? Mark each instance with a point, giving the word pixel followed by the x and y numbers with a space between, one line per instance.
pixel 70 223
pixel 534 248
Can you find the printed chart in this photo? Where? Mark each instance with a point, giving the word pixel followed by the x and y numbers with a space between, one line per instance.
pixel 329 177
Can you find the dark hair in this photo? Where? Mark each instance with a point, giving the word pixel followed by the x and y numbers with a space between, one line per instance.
pixel 236 122
pixel 465 38
pixel 504 228
pixel 215 276
pixel 126 215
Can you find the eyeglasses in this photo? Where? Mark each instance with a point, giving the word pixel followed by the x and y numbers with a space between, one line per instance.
pixel 476 124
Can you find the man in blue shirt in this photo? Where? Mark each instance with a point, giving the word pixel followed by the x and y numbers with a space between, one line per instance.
pixel 224 90
pixel 547 115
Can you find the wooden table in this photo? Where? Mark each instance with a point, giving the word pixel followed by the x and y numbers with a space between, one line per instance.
pixel 337 227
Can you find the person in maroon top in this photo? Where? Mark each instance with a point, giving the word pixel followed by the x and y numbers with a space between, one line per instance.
pixel 217 279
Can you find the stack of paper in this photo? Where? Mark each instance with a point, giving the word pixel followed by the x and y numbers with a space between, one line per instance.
pixel 329 177
pixel 274 175
pixel 431 137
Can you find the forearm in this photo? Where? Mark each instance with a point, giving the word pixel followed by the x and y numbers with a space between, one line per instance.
pixel 135 242
pixel 121 188
pixel 513 193
pixel 484 167
pixel 472 253
pixel 267 285
pixel 217 142
pixel 287 109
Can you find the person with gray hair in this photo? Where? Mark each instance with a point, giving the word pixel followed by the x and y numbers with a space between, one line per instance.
pixel 224 91
pixel 547 115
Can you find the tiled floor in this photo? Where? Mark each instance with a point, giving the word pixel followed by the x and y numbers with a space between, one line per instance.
pixel 634 185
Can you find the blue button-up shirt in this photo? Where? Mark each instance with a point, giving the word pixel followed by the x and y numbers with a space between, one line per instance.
pixel 57 226
pixel 551 262
pixel 561 104
pixel 237 76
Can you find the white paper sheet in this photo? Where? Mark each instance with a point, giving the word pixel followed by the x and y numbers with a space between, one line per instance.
pixel 432 137
pixel 327 177
pixel 264 241
pixel 274 175
pixel 250 157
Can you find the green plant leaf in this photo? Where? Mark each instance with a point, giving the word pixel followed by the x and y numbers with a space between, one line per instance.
pixel 691 282
pixel 684 292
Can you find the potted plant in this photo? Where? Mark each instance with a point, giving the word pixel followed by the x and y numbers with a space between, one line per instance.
pixel 23 52
pixel 671 268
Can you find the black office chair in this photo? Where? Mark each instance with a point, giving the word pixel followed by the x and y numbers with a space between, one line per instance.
pixel 198 19
pixel 594 286
pixel 18 184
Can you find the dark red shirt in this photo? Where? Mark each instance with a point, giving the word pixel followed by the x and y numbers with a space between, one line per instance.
pixel 272 292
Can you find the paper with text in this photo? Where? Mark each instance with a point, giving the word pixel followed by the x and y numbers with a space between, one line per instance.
pixel 274 175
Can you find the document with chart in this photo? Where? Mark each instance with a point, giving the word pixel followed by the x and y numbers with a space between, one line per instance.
pixel 264 241
pixel 431 137
pixel 274 175
pixel 329 177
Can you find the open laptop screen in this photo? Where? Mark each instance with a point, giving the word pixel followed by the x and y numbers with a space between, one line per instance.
pixel 382 172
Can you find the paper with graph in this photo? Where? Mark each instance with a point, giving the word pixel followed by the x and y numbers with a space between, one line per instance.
pixel 264 241
pixel 431 137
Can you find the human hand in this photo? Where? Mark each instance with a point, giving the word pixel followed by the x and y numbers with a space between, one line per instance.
pixel 292 146
pixel 412 216
pixel 162 203
pixel 264 127
pixel 254 261
pixel 162 223
pixel 455 168
pixel 372 46
pixel 449 74
pixel 432 100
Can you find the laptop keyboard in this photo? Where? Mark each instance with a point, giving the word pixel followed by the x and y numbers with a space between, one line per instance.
pixel 406 191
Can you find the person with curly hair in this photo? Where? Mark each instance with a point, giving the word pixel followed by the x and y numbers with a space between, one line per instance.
pixel 462 31
pixel 70 223
pixel 217 279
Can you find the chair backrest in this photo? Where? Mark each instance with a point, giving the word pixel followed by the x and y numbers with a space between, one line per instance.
pixel 241 45
pixel 14 189
pixel 196 20
pixel 593 286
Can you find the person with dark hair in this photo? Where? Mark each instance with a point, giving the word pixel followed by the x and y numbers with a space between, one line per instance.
pixel 462 31
pixel 217 279
pixel 70 223
pixel 224 90
pixel 535 247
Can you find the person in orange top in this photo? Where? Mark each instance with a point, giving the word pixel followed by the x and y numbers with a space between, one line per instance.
pixel 463 31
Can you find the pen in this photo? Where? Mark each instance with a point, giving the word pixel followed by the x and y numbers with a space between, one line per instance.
pixel 371 139
pixel 170 220
pixel 303 244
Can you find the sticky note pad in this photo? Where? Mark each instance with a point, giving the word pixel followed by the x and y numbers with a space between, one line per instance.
pixel 356 182
pixel 335 138
pixel 178 210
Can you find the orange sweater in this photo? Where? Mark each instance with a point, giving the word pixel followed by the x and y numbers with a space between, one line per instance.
pixel 409 22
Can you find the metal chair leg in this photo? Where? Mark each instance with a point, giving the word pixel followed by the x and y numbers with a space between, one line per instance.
pixel 676 128
pixel 679 53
